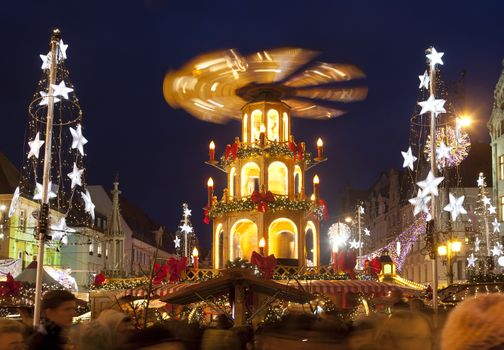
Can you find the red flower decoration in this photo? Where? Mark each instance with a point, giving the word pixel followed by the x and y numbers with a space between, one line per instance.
pixel 265 264
pixel 262 200
pixel 232 150
pixel 175 268
pixel 297 150
pixel 206 214
pixel 323 203
pixel 160 273
pixel 99 279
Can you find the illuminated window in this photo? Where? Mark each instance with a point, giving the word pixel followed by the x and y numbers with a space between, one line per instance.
pixel 243 239
pixel 232 182
pixel 256 121
pixel 22 220
pixel 282 235
pixel 278 178
pixel 285 121
pixel 99 249
pixel 298 178
pixel 501 167
pixel 273 120
pixel 245 128
pixel 249 179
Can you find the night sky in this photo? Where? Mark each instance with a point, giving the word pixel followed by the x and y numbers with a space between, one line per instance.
pixel 120 51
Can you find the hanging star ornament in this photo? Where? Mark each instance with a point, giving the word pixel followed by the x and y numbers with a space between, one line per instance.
pixel 185 228
pixel 14 202
pixel 62 48
pixel 88 204
pixel 78 139
pixel 477 243
pixel 61 90
pixel 60 231
pixel 496 225
pixel 35 146
pixel 435 57
pixel 361 209
pixel 45 99
pixel 430 184
pixel 367 232
pixel 409 159
pixel 455 206
pixel 424 80
pixel 486 201
pixel 46 61
pixel 481 180
pixel 471 260
pixel 187 212
pixel 76 176
pixel 432 105
pixel 420 202
pixel 497 249
pixel 492 210
pixel 177 242
pixel 443 151
pixel 355 244
pixel 38 192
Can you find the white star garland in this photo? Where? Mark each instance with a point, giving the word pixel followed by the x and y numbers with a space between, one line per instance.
pixel 430 184
pixel 432 105
pixel 14 202
pixel 491 209
pixel 435 57
pixel 477 243
pixel 443 151
pixel 481 180
pixel 497 249
pixel 78 139
pixel 455 206
pixel 424 81
pixel 88 204
pixel 471 260
pixel 38 192
pixel 486 201
pixel 62 48
pixel 496 225
pixel 35 146
pixel 61 230
pixel 367 232
pixel 45 99
pixel 177 242
pixel 409 159
pixel 355 244
pixel 46 60
pixel 185 228
pixel 76 176
pixel 420 202
pixel 61 90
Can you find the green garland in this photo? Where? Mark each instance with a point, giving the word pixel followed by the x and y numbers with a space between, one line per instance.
pixel 486 278
pixel 122 284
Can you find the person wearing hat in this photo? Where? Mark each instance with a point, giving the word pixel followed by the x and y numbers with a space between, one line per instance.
pixel 58 310
pixel 11 335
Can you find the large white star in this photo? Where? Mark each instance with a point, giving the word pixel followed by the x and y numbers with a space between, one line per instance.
pixel 496 225
pixel 491 209
pixel 46 61
pixel 486 201
pixel 177 242
pixel 35 146
pixel 443 151
pixel 187 212
pixel 477 243
pixel 45 99
pixel 14 202
pixel 471 260
pixel 62 50
pixel 355 244
pixel 455 206
pixel 78 139
pixel 185 228
pixel 61 90
pixel 420 202
pixel 61 230
pixel 432 105
pixel 361 209
pixel 88 204
pixel 38 192
pixel 430 184
pixel 497 249
pixel 367 232
pixel 76 176
pixel 481 180
pixel 435 57
pixel 424 80
pixel 409 159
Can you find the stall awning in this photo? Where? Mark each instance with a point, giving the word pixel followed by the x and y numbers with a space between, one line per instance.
pixel 343 286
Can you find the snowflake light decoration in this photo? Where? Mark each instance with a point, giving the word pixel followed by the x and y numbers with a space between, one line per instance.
pixel 459 147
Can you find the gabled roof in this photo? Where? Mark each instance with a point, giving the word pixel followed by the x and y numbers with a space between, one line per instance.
pixel 9 175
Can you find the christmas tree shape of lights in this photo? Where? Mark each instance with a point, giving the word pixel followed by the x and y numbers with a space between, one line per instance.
pixel 185 237
pixel 55 96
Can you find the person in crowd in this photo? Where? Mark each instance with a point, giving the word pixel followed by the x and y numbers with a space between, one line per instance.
pixel 119 327
pixel 188 333
pixel 219 336
pixel 58 309
pixel 92 336
pixel 476 323
pixel 156 337
pixel 405 330
pixel 363 332
pixel 11 335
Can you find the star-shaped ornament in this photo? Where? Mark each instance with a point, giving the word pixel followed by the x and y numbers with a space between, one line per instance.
pixel 477 243
pixel 38 192
pixel 409 159
pixel 430 184
pixel 78 139
pixel 355 244
pixel 435 57
pixel 455 206
pixel 471 260
pixel 187 212
pixel 361 209
pixel 35 145
pixel 185 228
pixel 62 50
pixel 486 201
pixel 14 202
pixel 76 176
pixel 496 225
pixel 424 81
pixel 481 181
pixel 46 61
pixel 177 242
pixel 497 249
pixel 420 202
pixel 492 209
pixel 45 99
pixel 443 151
pixel 367 232
pixel 432 105
pixel 88 204
pixel 60 231
pixel 61 90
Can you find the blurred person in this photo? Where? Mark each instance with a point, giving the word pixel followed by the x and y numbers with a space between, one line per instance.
pixel 219 336
pixel 189 334
pixel 58 309
pixel 245 335
pixel 476 323
pixel 11 335
pixel 92 336
pixel 364 332
pixel 156 337
pixel 119 326
pixel 405 330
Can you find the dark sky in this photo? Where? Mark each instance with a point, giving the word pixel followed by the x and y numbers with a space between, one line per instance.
pixel 120 50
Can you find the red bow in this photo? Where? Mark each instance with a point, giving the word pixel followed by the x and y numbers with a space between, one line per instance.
pixel 206 214
pixel 175 268
pixel 375 265
pixel 232 150
pixel 11 287
pixel 160 273
pixel 265 264
pixel 323 203
pixel 297 150
pixel 262 200
pixel 347 261
pixel 99 279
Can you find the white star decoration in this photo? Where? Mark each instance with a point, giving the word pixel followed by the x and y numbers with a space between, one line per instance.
pixel 14 202
pixel 424 80
pixel 62 50
pixel 75 176
pixel 60 231
pixel 35 146
pixel 361 209
pixel 61 90
pixel 491 209
pixel 355 244
pixel 477 243
pixel 78 139
pixel 187 212
pixel 486 201
pixel 443 151
pixel 409 159
pixel 471 260
pixel 46 61
pixel 455 206
pixel 177 242
pixel 481 181
pixel 186 228
pixel 45 99
pixel 496 225
pixel 38 192
pixel 420 202
pixel 430 184
pixel 367 232
pixel 435 57
pixel 88 204
pixel 432 105
pixel 497 249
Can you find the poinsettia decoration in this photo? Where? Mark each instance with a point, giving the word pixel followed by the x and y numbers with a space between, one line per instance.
pixel 11 287
pixel 232 151
pixel 176 267
pixel 159 273
pixel 99 279
pixel 265 264
pixel 297 150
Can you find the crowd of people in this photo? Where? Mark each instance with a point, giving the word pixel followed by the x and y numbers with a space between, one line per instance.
pixel 476 323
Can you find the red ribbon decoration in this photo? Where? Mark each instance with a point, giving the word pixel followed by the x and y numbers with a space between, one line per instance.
pixel 323 203
pixel 175 268
pixel 347 261
pixel 11 287
pixel 265 264
pixel 99 279
pixel 262 200
pixel 160 273
pixel 297 150
pixel 375 266
pixel 206 213
pixel 232 150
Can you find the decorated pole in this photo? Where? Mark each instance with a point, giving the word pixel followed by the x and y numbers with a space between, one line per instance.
pixel 360 210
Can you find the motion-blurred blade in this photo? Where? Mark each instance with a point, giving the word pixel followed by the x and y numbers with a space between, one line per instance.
pixel 308 109
pixel 325 73
pixel 336 94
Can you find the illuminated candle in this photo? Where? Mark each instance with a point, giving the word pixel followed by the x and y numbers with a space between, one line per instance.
pixel 320 148
pixel 312 197
pixel 262 135
pixel 210 185
pixel 334 257
pixel 262 244
pixel 211 151
pixel 195 255
pixel 316 182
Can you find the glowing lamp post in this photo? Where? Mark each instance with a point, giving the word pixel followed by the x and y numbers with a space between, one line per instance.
pixel 195 255
pixel 320 149
pixel 316 183
pixel 210 185
pixel 211 152
pixel 388 269
pixel 262 244
pixel 449 250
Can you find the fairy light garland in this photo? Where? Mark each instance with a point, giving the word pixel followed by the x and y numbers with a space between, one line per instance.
pixel 459 146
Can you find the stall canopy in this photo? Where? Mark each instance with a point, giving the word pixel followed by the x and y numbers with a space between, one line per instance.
pixel 29 275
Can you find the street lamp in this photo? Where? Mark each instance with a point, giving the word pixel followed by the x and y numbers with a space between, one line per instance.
pixel 450 249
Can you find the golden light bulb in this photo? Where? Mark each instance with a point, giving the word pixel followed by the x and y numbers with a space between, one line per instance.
pixel 319 142
pixel 195 252
pixel 316 180
pixel 312 197
pixel 262 243
pixel 210 182
pixel 212 145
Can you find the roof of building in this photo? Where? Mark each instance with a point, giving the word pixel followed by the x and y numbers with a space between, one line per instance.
pixel 9 175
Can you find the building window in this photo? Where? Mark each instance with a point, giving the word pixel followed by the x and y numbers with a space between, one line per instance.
pixel 91 247
pixel 22 220
pixel 501 168
pixel 99 249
